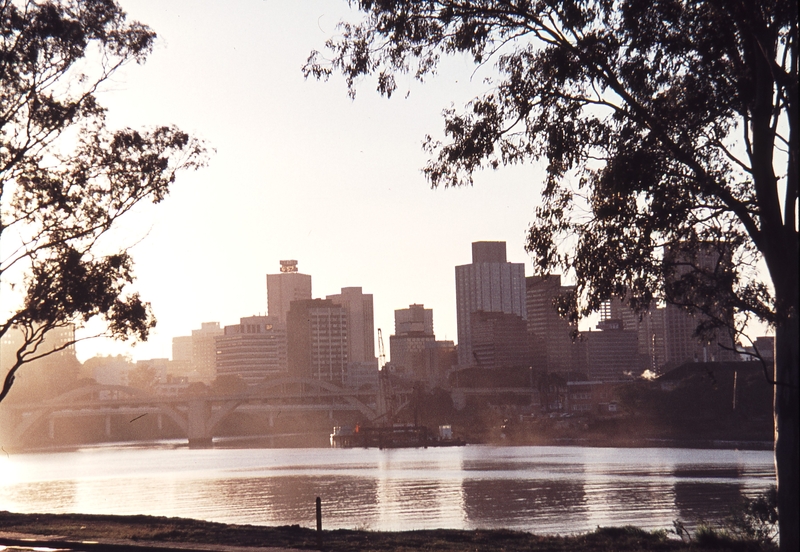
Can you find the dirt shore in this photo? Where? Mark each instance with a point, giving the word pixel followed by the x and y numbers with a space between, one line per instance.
pixel 160 533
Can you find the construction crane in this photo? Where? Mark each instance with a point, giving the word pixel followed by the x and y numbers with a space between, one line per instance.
pixel 381 353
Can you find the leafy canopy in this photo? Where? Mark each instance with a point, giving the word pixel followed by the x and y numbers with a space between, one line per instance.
pixel 65 178
pixel 663 124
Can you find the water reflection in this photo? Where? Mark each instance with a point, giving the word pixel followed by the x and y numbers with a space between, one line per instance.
pixel 493 503
pixel 58 496
pixel 540 489
pixel 706 501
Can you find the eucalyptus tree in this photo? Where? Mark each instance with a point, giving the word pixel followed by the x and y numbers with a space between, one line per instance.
pixel 665 126
pixel 65 178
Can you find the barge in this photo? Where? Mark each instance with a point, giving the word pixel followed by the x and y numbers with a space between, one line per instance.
pixel 394 436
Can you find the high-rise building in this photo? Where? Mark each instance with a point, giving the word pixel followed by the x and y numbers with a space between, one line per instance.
pixel 55 370
pixel 440 357
pixel 413 330
pixel 488 284
pixel 253 349
pixel 414 319
pixel 204 351
pixel 552 345
pixel 612 353
pixel 360 323
pixel 182 348
pixel 283 288
pixel 649 328
pixel 499 340
pixel 317 335
pixel 686 266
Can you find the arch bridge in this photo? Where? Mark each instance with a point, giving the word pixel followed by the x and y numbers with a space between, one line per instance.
pixel 200 416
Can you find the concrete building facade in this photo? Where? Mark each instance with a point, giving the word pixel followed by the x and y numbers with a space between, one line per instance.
pixel 283 288
pixel 499 340
pixel 552 345
pixel 204 351
pixel 318 340
pixel 254 349
pixel 488 284
pixel 360 323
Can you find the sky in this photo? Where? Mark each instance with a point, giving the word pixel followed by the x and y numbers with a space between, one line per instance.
pixel 299 171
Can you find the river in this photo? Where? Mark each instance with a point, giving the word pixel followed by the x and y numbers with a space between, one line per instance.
pixel 545 490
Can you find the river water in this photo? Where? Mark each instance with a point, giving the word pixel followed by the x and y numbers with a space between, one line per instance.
pixel 545 490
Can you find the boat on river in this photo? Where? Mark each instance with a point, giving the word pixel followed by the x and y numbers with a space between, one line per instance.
pixel 393 436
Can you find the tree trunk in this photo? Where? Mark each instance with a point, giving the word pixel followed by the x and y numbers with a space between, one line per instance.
pixel 787 427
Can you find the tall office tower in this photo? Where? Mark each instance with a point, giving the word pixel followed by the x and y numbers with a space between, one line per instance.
pixel 182 348
pixel 413 330
pixel 499 340
pixel 181 363
pixel 360 323
pixel 440 357
pixel 204 351
pixel 649 328
pixel 698 264
pixel 253 349
pixel 552 346
pixel 489 284
pixel 283 288
pixel 612 354
pixel 317 335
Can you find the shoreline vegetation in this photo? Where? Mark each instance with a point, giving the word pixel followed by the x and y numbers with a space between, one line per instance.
pixel 106 532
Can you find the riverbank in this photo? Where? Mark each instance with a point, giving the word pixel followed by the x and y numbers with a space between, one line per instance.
pixel 97 532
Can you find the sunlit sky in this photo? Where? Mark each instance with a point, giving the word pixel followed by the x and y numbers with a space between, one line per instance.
pixel 300 171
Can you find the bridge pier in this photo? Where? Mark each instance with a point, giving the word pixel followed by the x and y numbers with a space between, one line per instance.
pixel 108 425
pixel 198 416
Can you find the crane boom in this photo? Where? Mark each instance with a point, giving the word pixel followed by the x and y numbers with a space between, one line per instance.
pixel 381 353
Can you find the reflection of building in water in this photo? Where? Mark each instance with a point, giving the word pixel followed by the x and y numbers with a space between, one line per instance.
pixel 696 501
pixel 288 500
pixel 629 498
pixel 512 503
pixel 420 494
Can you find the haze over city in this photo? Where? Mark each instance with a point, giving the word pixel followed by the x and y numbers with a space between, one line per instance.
pixel 300 171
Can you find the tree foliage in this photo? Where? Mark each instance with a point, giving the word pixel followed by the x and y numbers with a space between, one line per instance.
pixel 65 178
pixel 668 129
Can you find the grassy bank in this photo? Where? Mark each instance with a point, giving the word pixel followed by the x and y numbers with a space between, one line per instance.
pixel 137 529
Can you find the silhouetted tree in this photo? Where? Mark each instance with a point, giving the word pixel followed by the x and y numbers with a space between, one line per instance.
pixel 144 377
pixel 65 178
pixel 665 125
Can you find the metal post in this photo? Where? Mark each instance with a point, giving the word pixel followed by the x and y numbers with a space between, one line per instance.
pixel 319 523
pixel 319 514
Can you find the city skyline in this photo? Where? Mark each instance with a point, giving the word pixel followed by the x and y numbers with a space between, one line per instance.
pixel 300 171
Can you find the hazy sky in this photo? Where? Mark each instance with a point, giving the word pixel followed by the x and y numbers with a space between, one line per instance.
pixel 300 172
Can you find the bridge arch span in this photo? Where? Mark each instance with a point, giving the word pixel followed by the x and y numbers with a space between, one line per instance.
pixel 74 397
